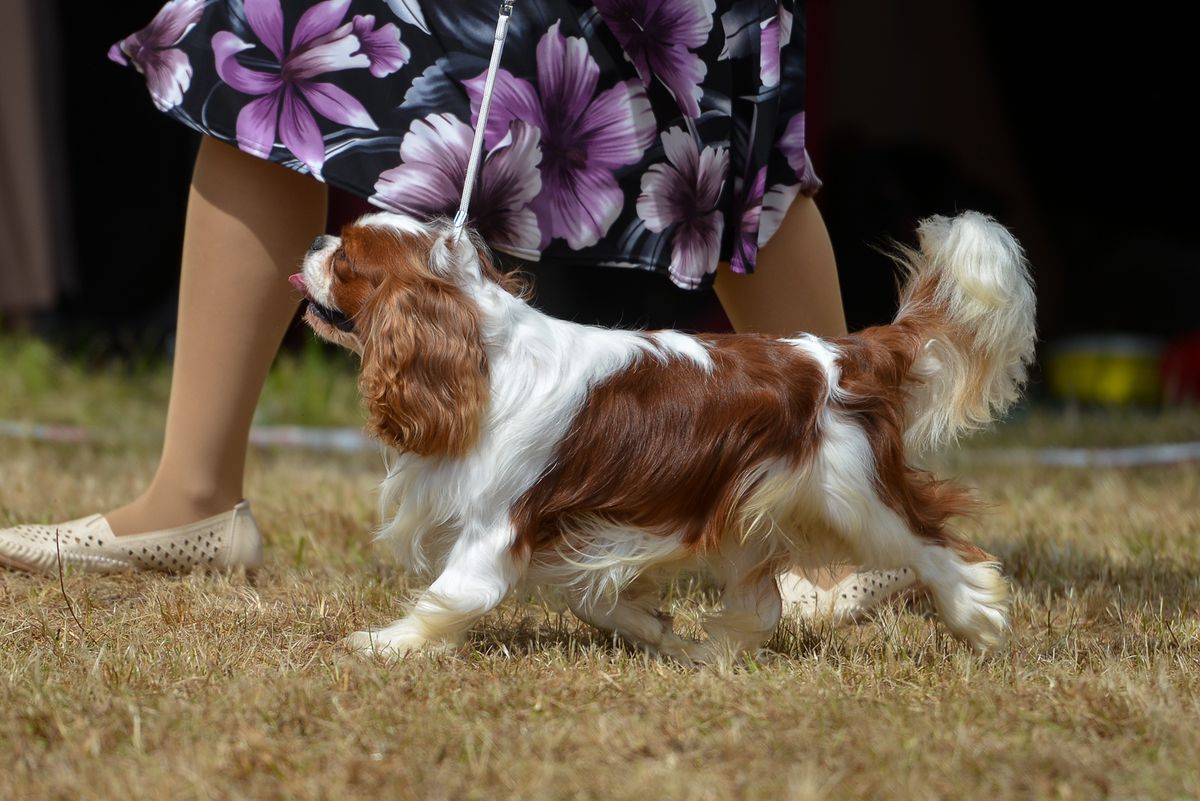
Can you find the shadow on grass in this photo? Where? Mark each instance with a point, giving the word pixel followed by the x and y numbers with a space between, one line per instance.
pixel 523 631
pixel 1053 571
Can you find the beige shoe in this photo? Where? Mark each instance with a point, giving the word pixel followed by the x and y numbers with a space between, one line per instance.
pixel 847 601
pixel 222 542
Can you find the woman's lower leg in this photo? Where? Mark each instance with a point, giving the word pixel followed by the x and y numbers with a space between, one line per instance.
pixel 795 286
pixel 249 223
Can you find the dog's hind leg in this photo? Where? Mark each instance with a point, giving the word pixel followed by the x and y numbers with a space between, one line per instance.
pixel 634 615
pixel 479 573
pixel 910 530
pixel 967 586
pixel 969 591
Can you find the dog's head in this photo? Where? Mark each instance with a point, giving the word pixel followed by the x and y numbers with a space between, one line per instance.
pixel 396 291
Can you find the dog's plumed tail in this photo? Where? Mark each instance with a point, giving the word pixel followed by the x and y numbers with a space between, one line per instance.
pixel 967 297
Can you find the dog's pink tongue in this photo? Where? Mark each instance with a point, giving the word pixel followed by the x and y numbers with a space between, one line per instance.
pixel 297 281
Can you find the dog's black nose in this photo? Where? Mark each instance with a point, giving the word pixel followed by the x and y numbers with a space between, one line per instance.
pixel 317 243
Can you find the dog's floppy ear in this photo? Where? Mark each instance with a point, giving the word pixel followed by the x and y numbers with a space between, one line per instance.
pixel 424 369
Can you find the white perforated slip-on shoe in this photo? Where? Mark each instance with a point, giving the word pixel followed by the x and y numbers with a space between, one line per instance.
pixel 847 601
pixel 223 542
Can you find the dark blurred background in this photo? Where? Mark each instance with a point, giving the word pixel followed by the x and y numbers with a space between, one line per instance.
pixel 1070 128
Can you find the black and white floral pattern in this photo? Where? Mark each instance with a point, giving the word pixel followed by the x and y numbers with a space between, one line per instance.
pixel 661 134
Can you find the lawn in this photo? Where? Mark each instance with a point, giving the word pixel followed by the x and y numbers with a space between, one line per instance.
pixel 203 687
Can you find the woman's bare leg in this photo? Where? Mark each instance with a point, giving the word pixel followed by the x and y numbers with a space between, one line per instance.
pixel 248 224
pixel 795 286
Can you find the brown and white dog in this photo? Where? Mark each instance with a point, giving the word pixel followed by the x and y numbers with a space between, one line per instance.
pixel 530 450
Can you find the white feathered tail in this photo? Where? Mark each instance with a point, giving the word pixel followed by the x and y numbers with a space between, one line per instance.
pixel 969 294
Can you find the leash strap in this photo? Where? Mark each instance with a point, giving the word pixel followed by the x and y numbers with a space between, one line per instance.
pixel 485 104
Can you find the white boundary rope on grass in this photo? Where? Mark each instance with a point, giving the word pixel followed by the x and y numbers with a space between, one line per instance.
pixel 340 440
pixel 1133 456
pixel 352 440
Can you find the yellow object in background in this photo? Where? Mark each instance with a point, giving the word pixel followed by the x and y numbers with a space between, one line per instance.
pixel 1106 370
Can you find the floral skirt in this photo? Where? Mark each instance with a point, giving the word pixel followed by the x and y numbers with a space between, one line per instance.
pixel 661 134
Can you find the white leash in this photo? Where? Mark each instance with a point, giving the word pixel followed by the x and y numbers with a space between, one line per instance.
pixel 485 104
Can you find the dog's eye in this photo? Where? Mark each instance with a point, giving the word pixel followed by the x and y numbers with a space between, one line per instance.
pixel 341 265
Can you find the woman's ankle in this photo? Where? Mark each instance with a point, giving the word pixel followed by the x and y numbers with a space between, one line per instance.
pixel 824 578
pixel 156 511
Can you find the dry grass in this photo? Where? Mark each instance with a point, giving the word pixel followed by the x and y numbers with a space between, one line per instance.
pixel 222 687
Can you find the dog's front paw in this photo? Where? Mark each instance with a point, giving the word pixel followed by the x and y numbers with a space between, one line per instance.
pixel 382 643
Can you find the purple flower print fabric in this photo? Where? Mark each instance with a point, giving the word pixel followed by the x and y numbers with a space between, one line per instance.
pixel 661 134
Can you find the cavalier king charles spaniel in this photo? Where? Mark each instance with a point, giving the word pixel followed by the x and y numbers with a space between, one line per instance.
pixel 530 451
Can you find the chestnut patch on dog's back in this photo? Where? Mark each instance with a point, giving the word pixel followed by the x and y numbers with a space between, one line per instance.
pixel 671 448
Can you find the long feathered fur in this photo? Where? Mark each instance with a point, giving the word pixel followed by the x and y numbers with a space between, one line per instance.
pixel 533 450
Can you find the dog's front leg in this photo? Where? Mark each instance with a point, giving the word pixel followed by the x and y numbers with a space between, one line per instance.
pixel 479 573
